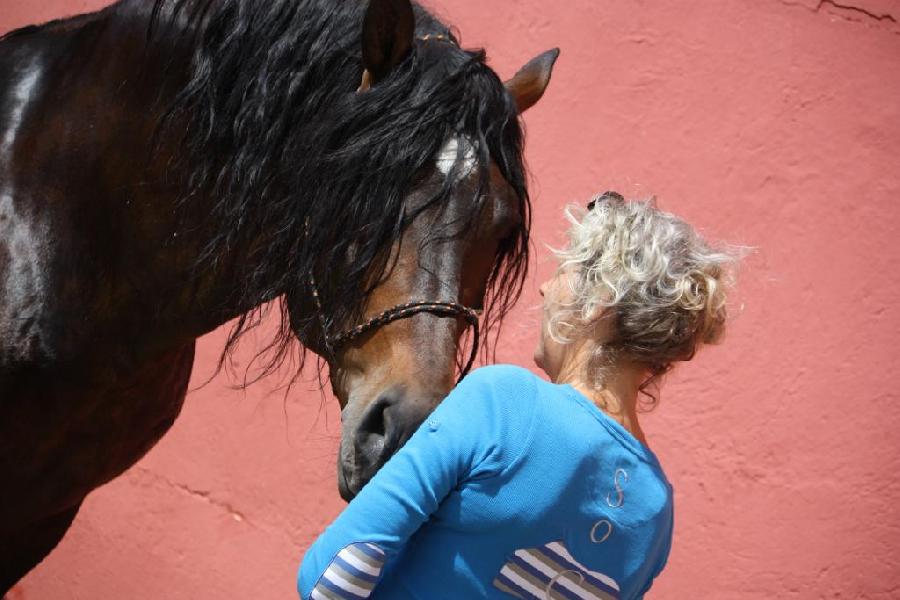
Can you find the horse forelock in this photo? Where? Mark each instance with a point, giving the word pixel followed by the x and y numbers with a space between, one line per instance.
pixel 278 137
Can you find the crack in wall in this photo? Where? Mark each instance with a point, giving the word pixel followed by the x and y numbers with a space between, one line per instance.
pixel 843 11
pixel 857 9
pixel 203 496
pixel 208 498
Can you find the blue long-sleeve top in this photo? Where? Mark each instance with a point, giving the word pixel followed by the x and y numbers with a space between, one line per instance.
pixel 513 488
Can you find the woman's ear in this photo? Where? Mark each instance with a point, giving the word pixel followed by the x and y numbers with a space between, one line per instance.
pixel 388 34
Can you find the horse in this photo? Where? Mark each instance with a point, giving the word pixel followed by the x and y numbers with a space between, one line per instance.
pixel 168 167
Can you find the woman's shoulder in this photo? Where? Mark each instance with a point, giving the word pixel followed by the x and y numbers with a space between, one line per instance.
pixel 503 382
pixel 497 389
pixel 499 405
pixel 503 372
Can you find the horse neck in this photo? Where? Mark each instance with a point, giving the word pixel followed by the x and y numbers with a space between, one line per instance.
pixel 163 226
pixel 120 89
pixel 220 293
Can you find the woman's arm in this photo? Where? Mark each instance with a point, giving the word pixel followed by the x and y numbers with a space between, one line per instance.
pixel 460 440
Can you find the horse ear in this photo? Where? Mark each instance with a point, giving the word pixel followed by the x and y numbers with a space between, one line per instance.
pixel 529 84
pixel 388 32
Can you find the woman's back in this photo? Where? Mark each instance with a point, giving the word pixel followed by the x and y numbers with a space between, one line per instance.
pixel 544 493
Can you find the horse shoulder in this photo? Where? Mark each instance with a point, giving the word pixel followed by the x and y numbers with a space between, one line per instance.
pixel 49 414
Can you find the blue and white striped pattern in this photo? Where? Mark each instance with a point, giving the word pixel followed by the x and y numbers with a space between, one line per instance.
pixel 551 572
pixel 352 574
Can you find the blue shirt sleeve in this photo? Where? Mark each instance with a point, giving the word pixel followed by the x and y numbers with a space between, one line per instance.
pixel 479 429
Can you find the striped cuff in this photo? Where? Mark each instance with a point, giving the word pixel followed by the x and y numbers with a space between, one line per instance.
pixel 352 575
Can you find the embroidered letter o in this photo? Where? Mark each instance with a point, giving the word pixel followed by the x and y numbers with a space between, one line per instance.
pixel 606 534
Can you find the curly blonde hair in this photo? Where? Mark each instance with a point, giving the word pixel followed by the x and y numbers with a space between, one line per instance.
pixel 663 286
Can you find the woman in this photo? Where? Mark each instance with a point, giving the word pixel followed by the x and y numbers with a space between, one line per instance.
pixel 520 488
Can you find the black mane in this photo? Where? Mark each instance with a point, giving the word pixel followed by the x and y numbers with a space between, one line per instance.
pixel 305 171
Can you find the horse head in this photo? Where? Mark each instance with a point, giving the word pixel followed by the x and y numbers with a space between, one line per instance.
pixel 446 238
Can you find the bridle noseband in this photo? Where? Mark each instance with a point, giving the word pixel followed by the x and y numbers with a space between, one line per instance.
pixel 334 343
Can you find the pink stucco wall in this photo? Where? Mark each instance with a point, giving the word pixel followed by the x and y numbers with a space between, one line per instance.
pixel 773 123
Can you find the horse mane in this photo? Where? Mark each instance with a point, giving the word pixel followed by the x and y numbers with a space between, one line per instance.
pixel 305 172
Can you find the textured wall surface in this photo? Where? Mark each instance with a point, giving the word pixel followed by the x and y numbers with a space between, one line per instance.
pixel 771 123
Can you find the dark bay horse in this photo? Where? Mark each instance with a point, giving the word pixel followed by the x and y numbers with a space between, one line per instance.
pixel 168 166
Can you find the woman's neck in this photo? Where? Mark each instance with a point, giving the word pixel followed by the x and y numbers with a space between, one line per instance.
pixel 617 397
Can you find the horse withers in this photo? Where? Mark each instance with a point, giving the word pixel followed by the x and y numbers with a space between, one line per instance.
pixel 167 167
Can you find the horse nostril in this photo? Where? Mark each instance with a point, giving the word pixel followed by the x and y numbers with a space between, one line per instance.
pixel 381 429
pixel 376 435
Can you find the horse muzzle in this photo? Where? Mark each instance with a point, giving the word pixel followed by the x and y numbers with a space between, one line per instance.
pixel 373 433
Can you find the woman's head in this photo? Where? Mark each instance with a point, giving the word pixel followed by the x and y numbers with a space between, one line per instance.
pixel 635 286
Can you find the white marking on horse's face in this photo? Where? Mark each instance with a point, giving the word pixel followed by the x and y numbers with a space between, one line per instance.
pixel 449 154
